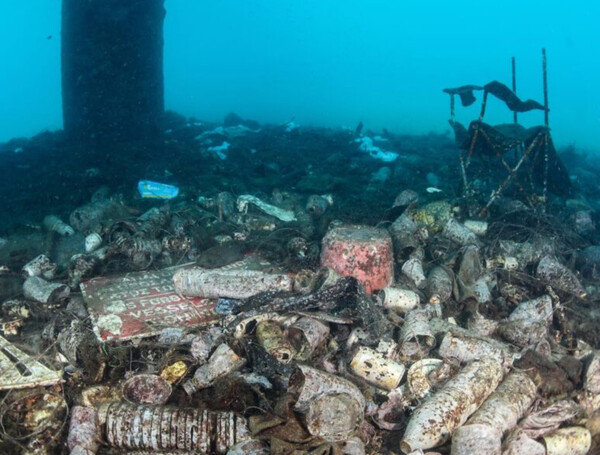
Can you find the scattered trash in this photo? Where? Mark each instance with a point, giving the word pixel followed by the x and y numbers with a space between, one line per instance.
pixel 141 304
pixel 265 318
pixel 155 190
pixel 228 283
pixel 433 422
pixel 36 288
pixel 54 224
pixel 245 200
pixel 146 389
pixel 151 428
pixel 20 370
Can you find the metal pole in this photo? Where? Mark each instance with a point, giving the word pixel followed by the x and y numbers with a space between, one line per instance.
pixel 547 133
pixel 545 75
pixel 514 84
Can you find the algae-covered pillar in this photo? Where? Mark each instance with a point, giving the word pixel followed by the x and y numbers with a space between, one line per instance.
pixel 112 69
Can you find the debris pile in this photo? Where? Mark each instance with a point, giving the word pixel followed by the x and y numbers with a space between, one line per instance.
pixel 224 323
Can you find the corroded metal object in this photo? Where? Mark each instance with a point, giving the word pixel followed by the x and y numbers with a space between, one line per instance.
pixel 231 283
pixel 434 421
pixel 129 426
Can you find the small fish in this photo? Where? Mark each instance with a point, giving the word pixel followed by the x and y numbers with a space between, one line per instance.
pixel 433 189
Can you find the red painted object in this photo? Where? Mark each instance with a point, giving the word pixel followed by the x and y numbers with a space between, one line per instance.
pixel 362 252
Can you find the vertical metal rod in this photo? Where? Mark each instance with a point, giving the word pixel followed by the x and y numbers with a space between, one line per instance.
pixel 547 132
pixel 545 75
pixel 483 105
pixel 514 84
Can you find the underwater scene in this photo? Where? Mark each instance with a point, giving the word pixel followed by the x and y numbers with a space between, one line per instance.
pixel 299 227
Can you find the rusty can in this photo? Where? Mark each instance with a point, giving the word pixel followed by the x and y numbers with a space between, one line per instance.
pixel 374 368
pixel 440 284
pixel 84 432
pixel 399 300
pixel 307 335
pixel 270 336
pixel 40 290
pixel 222 362
pixel 128 426
pixel 40 266
pixel 569 440
pixel 434 420
pixel 416 337
pixel 333 407
pixel 458 233
pixel 413 270
pixel 146 389
pixel 234 284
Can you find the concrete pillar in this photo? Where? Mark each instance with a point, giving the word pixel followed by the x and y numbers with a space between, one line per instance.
pixel 112 69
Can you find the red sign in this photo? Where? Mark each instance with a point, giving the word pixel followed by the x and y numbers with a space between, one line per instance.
pixel 141 304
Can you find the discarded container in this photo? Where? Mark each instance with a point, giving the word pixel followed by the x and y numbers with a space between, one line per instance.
pixel 519 443
pixel 404 233
pixel 146 389
pixel 245 200
pixel 439 285
pixel 362 252
pixel 270 336
pixel 465 348
pixel 323 397
pixel 333 417
pixel 20 370
pixel 35 288
pixel 81 266
pixel 419 378
pixel 480 325
pixel 230 283
pixel 568 441
pixel 477 227
pixel 399 300
pixel 222 362
pixel 307 335
pixel 54 223
pixel 434 421
pixel 468 274
pixel 497 415
pixel 413 269
pixel 84 431
pixel 155 190
pixel 476 438
pixel 406 198
pixel 155 428
pixel 376 369
pixel 317 205
pixel 528 323
pixel 558 276
pixel 92 242
pixel 458 233
pixel 40 266
pixel 416 338
pixel 204 342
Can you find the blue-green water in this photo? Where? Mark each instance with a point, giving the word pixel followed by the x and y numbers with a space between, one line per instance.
pixel 332 62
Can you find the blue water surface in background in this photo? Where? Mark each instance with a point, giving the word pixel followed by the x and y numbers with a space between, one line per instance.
pixel 333 62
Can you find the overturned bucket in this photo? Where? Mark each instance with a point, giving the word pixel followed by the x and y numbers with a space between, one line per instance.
pixel 362 252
